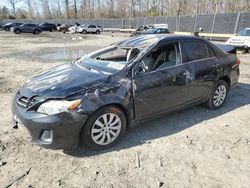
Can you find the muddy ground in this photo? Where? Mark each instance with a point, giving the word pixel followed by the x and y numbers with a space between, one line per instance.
pixel 196 147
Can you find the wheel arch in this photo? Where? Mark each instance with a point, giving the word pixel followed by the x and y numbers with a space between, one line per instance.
pixel 227 80
pixel 119 106
pixel 123 109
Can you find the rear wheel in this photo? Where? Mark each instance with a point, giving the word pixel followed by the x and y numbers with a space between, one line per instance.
pixel 84 32
pixel 104 128
pixel 218 95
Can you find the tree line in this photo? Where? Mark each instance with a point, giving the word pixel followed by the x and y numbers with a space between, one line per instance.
pixel 97 9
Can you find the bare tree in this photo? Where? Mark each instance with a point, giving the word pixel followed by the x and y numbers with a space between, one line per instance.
pixel 75 9
pixel 67 8
pixel 122 8
pixel 30 9
pixel 36 9
pixel 46 8
pixel 13 5
pixel 59 8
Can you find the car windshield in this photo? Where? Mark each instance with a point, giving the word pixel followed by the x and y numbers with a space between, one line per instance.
pixel 244 32
pixel 152 30
pixel 109 60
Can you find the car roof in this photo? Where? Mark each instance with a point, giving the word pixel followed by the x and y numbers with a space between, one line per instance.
pixel 143 40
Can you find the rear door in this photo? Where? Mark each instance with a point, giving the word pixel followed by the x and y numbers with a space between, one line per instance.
pixel 202 67
pixel 159 82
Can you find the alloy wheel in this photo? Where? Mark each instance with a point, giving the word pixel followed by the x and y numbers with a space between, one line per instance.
pixel 220 95
pixel 106 129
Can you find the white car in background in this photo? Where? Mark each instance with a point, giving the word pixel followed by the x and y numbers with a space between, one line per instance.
pixel 90 29
pixel 241 40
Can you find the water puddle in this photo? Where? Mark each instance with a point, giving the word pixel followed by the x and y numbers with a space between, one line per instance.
pixel 65 54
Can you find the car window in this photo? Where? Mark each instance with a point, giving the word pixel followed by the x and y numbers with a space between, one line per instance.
pixel 244 32
pixel 210 51
pixel 248 33
pixel 160 58
pixel 91 26
pixel 194 50
pixel 31 25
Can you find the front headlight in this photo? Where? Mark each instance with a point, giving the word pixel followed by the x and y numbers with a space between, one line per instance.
pixel 57 106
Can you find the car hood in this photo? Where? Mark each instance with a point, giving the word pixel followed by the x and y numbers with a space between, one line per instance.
pixel 64 80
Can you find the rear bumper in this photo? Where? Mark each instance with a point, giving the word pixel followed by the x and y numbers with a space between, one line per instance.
pixel 59 131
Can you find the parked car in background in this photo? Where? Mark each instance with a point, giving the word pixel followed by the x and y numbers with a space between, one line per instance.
pixel 74 28
pixel 100 27
pixel 1 26
pixel 48 27
pixel 90 29
pixel 241 40
pixel 80 28
pixel 154 31
pixel 27 28
pixel 144 28
pixel 63 28
pixel 7 26
pixel 97 97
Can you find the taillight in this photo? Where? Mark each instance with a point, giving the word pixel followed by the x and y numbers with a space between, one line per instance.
pixel 238 62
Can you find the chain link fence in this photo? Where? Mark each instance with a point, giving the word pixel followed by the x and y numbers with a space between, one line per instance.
pixel 211 23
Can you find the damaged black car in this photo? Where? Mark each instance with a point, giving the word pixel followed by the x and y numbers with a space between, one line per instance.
pixel 94 99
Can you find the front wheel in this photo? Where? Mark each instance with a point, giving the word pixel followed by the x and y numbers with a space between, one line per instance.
pixel 218 95
pixel 18 31
pixel 104 128
pixel 36 32
pixel 98 32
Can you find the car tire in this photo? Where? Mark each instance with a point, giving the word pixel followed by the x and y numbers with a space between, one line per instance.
pixel 36 32
pixel 84 32
pixel 218 95
pixel 98 32
pixel 18 31
pixel 104 128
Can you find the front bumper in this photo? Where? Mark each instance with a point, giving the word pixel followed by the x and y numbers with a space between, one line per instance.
pixel 59 131
pixel 238 44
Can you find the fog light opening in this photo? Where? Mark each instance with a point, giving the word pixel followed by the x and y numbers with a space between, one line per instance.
pixel 47 136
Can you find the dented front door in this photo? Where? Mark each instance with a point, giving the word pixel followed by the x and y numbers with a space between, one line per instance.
pixel 160 91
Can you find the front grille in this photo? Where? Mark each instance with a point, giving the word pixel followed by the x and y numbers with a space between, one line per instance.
pixel 24 102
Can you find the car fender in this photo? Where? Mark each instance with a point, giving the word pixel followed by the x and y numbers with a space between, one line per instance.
pixel 110 93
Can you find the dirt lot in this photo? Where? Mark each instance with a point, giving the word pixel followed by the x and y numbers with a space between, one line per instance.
pixel 196 147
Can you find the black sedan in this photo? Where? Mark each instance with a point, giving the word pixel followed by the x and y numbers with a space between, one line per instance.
pixel 48 27
pixel 96 98
pixel 7 26
pixel 27 28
